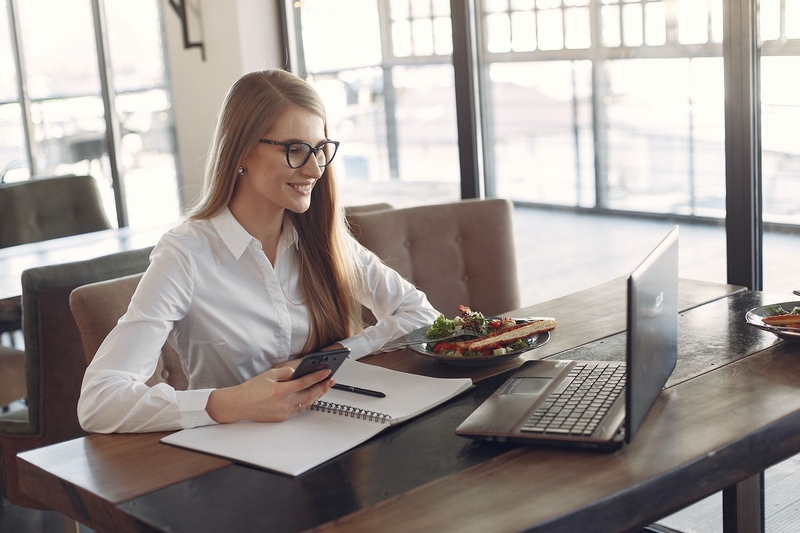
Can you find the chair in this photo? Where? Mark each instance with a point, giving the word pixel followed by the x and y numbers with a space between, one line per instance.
pixel 457 253
pixel 97 308
pixel 12 375
pixel 54 359
pixel 48 208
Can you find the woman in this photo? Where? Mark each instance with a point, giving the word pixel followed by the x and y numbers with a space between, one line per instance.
pixel 258 276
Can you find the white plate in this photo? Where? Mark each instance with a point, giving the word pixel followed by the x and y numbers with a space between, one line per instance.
pixel 533 342
pixel 755 317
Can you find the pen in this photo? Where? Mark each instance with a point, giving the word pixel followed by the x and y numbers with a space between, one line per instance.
pixel 358 390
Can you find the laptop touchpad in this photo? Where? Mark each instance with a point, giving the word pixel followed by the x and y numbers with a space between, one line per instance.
pixel 527 386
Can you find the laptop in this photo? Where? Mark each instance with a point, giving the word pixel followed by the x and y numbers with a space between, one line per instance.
pixel 594 404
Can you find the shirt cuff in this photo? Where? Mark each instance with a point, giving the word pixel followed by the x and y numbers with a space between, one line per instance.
pixel 192 406
pixel 359 346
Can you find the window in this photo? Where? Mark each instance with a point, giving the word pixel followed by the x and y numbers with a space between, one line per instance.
pixel 613 106
pixel 387 82
pixel 62 126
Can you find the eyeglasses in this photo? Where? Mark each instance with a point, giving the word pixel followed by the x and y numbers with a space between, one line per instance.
pixel 297 153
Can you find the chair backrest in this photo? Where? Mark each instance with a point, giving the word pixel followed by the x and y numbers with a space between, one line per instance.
pixel 48 208
pixel 98 306
pixel 54 358
pixel 457 253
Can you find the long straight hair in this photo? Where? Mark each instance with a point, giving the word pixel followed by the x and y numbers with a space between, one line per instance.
pixel 328 277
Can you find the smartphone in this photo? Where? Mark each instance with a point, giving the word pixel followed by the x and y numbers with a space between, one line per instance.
pixel 331 359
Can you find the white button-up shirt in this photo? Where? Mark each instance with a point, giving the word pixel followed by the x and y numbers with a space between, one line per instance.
pixel 211 292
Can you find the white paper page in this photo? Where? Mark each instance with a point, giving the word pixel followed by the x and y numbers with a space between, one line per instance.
pixel 291 447
pixel 407 395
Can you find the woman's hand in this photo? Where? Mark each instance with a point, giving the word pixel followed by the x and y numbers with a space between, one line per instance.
pixel 268 397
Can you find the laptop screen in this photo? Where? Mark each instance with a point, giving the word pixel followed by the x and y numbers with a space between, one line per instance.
pixel 652 337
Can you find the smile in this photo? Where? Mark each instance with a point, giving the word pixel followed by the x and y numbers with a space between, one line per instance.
pixel 302 187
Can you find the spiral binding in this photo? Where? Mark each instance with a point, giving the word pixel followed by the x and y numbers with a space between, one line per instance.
pixel 347 410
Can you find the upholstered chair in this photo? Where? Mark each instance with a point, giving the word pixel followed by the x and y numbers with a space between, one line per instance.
pixel 48 208
pixel 458 253
pixel 54 359
pixel 98 306
pixel 12 376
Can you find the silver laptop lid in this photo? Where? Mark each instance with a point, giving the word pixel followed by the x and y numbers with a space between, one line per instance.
pixel 652 337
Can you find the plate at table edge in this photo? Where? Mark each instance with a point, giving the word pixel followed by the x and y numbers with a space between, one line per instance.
pixel 540 339
pixel 754 318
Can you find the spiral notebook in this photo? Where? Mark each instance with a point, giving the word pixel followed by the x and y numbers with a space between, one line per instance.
pixel 337 422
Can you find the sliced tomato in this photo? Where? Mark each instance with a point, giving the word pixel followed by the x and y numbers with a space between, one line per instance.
pixel 445 346
pixel 494 324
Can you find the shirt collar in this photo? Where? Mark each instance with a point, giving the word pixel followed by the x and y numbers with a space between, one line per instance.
pixel 237 239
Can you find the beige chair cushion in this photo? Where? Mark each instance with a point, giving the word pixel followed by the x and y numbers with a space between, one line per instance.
pixel 97 308
pixel 457 253
pixel 12 375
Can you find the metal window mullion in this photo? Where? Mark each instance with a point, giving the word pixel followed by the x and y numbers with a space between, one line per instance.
pixel 598 108
pixel 292 37
pixel 466 75
pixel 110 115
pixel 389 94
pixel 742 144
pixel 22 86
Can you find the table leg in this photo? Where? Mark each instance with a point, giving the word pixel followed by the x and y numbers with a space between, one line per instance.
pixel 743 506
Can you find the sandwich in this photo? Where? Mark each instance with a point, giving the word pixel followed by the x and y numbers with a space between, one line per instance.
pixel 507 337
pixel 787 321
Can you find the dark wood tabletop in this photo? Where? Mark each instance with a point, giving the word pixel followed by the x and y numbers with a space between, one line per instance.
pixel 731 409
pixel 16 259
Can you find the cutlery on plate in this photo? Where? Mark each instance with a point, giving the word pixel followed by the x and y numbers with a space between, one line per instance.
pixel 797 293
pixel 418 337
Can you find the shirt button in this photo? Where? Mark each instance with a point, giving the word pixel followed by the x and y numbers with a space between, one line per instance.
pixel 459 239
pixel 407 244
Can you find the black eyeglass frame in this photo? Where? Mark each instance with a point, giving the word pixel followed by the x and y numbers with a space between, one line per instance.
pixel 311 150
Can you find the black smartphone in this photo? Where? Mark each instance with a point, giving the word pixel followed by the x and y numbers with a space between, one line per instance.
pixel 330 359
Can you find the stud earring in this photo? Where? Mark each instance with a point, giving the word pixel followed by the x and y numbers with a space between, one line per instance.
pixel 241 170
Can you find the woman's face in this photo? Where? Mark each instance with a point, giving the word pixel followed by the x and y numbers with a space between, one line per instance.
pixel 269 182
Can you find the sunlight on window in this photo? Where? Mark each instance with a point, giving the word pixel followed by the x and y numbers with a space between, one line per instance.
pixel 610 19
pixel 793 19
pixel 442 36
pixel 401 38
pixel 770 19
pixel 495 6
pixel 632 25
pixel 499 33
pixel 693 21
pixel 578 28
pixel 551 30
pixel 422 37
pixel 523 31
pixel 345 49
pixel 655 24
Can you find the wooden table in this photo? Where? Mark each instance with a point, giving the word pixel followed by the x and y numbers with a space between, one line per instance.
pixel 730 410
pixel 16 259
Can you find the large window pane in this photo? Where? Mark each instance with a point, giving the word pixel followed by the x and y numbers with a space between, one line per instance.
pixel 541 127
pixel 8 71
pixel 59 48
pixel 395 114
pixel 143 108
pixel 665 136
pixel 13 157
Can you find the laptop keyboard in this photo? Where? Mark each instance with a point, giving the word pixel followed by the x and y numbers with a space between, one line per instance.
pixel 579 403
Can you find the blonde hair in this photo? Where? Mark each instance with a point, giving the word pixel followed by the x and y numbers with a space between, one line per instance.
pixel 328 277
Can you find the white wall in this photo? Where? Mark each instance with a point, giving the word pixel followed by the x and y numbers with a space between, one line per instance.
pixel 239 37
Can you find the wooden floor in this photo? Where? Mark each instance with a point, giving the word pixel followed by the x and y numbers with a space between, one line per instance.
pixel 561 252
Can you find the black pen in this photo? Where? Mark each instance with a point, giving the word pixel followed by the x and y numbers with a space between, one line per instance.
pixel 358 390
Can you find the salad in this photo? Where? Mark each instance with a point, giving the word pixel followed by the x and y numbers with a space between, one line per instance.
pixel 474 324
